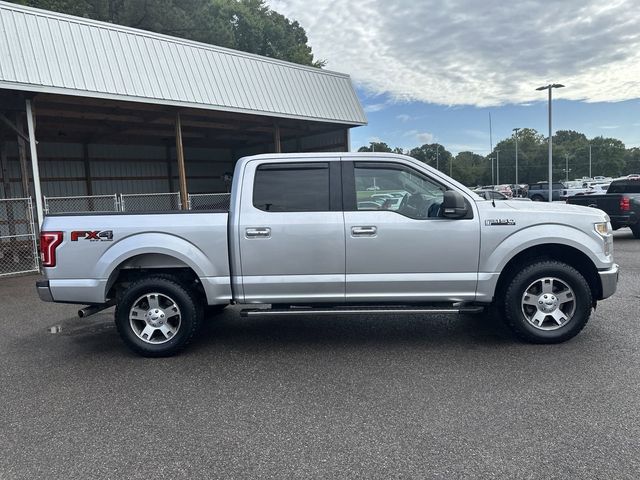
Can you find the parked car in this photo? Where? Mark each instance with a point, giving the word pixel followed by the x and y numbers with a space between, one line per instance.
pixel 621 202
pixel 505 190
pixel 539 192
pixel 296 242
pixel 495 195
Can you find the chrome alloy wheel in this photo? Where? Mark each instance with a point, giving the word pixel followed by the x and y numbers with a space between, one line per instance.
pixel 548 303
pixel 155 318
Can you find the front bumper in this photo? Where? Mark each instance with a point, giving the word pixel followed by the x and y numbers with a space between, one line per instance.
pixel 609 281
pixel 44 292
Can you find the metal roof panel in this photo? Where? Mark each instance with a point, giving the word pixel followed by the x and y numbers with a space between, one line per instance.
pixel 45 51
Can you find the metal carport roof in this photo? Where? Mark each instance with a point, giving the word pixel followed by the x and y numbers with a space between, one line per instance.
pixel 42 51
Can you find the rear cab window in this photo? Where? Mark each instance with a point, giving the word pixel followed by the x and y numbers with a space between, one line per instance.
pixel 292 187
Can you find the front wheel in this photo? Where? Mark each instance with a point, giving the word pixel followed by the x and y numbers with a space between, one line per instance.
pixel 537 198
pixel 547 302
pixel 157 316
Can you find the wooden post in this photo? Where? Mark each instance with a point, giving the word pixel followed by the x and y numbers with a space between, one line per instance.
pixel 181 168
pixel 22 156
pixel 276 138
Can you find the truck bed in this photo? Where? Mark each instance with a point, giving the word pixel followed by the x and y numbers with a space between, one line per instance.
pixel 94 245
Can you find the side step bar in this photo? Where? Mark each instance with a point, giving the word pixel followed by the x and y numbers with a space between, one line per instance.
pixel 273 312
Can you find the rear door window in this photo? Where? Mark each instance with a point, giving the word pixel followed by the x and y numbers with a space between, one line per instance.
pixel 292 187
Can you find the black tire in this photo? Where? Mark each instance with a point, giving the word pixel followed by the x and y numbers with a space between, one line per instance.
pixel 514 310
pixel 635 229
pixel 190 313
pixel 537 198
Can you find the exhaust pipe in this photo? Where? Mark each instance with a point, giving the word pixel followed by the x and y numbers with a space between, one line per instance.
pixel 91 309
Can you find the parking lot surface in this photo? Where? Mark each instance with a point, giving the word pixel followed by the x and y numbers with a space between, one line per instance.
pixel 400 396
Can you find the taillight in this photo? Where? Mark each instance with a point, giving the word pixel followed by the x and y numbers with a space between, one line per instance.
pixel 625 204
pixel 49 241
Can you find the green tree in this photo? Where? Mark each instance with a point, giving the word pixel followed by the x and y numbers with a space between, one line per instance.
pixel 472 169
pixel 608 156
pixel 433 154
pixel 380 147
pixel 247 25
pixel 632 160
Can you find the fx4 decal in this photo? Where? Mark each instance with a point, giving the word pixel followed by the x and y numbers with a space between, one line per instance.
pixel 93 236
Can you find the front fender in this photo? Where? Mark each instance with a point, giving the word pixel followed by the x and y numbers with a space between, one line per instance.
pixel 497 255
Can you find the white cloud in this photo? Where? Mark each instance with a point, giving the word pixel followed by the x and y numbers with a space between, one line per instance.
pixel 374 107
pixel 424 137
pixel 403 117
pixel 465 52
pixel 609 127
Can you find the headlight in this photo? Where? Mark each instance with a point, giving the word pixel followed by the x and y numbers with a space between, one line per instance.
pixel 603 228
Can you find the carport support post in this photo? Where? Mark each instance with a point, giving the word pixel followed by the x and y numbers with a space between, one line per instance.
pixel 181 170
pixel 34 163
pixel 277 147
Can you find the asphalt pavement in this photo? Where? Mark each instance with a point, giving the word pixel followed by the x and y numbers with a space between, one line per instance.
pixel 394 397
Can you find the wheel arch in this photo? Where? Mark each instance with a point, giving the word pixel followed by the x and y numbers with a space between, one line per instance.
pixel 550 251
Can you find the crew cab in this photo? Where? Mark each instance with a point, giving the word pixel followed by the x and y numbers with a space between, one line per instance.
pixel 295 241
pixel 621 202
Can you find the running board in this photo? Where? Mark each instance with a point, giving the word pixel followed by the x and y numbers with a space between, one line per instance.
pixel 273 312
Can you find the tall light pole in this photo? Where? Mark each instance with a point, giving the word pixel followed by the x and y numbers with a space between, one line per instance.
pixel 550 87
pixel 515 134
pixel 497 166
pixel 590 161
pixel 437 157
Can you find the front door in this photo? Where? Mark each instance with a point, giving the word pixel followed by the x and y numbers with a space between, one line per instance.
pixel 398 246
pixel 291 232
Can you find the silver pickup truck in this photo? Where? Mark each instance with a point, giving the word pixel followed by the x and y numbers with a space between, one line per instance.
pixel 333 234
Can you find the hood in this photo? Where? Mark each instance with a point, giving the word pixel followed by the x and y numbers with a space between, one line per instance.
pixel 548 207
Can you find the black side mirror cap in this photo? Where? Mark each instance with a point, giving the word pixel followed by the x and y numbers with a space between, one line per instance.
pixel 453 205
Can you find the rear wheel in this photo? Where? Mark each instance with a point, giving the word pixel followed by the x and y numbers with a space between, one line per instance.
pixel 157 316
pixel 547 302
pixel 635 229
pixel 537 198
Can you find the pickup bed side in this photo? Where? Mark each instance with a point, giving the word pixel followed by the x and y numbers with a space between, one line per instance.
pixel 621 203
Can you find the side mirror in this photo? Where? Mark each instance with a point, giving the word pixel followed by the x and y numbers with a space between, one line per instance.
pixel 453 205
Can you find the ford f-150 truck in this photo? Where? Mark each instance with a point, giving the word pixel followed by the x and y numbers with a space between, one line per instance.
pixel 305 235
pixel 621 203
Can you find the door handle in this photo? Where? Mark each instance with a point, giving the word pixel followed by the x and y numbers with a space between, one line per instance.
pixel 258 232
pixel 369 231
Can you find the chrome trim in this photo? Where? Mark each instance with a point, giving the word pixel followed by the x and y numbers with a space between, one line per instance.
pixel 609 281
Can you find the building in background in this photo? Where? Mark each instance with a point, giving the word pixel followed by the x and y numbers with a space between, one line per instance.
pixel 120 110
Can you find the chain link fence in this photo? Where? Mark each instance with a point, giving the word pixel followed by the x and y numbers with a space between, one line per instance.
pixel 18 247
pixel 149 202
pixel 209 201
pixel 92 203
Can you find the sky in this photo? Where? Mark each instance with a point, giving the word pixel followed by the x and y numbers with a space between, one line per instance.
pixel 428 71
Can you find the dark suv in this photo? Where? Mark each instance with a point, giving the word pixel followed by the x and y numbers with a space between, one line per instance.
pixel 539 192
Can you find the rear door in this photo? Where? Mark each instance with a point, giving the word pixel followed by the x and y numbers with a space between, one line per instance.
pixel 405 252
pixel 291 232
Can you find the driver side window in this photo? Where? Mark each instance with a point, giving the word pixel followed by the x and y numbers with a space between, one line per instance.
pixel 397 188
